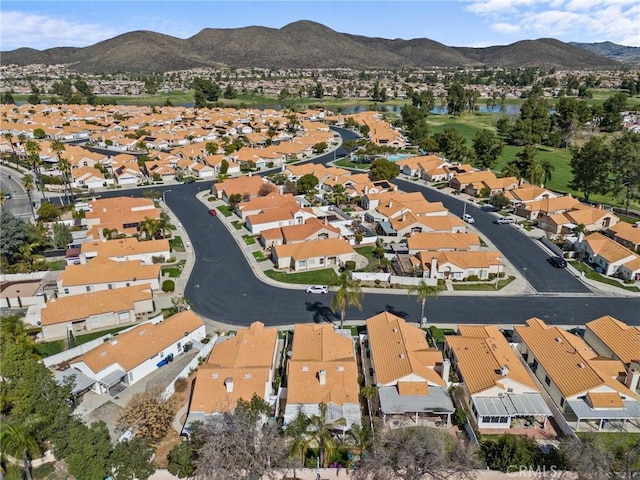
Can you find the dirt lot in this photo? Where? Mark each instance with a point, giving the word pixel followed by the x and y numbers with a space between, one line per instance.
pixel 108 413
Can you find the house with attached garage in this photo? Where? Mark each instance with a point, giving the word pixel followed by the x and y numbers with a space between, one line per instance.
pixel 584 386
pixel 126 249
pixel 131 355
pixel 322 375
pixel 498 390
pixel 240 366
pixel 412 378
pixel 311 229
pixel 105 274
pixel 626 235
pixel 609 256
pixel 89 312
pixel 330 252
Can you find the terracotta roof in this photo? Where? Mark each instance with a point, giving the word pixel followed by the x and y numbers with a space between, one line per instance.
pixel 468 259
pixel 242 185
pixel 605 400
pixel 608 249
pixel 247 359
pixel 481 352
pixel 565 357
pixel 399 350
pixel 621 339
pixel 314 248
pixel 75 307
pixel 141 343
pixel 441 223
pixel 124 246
pixel 319 348
pixel 627 232
pixel 120 211
pixel 103 270
pixel 443 240
pixel 311 226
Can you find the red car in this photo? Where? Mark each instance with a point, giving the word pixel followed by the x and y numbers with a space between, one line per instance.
pixel 213 212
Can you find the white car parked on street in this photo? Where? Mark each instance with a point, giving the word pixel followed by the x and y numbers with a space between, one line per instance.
pixel 317 289
pixel 468 218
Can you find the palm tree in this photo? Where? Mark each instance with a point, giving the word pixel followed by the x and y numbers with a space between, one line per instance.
pixel 27 256
pixel 548 169
pixel 17 442
pixel 349 293
pixel 65 167
pixel 299 444
pixel 535 173
pixel 360 439
pixel 33 151
pixel 422 292
pixel 150 227
pixel 8 136
pixel 164 224
pixel 27 183
pixel 321 433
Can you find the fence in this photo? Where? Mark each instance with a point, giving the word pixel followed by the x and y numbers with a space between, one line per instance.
pixel 371 276
pixel 22 277
pixel 470 433
pixel 192 365
pixel 413 280
pixel 85 347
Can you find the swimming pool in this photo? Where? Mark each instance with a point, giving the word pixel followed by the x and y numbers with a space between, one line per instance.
pixel 396 157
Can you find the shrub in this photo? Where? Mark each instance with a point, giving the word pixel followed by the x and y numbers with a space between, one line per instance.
pixel 168 286
pixel 350 265
pixel 180 385
pixel 473 278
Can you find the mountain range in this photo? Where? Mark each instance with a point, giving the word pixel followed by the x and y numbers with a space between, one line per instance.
pixel 302 44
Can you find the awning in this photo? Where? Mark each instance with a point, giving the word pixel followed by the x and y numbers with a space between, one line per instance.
pixel 437 402
pixel 583 411
pixel 522 405
pixel 112 378
pixel 78 379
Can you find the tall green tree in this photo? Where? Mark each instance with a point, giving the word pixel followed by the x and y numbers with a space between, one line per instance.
pixel 625 157
pixel 422 291
pixel 383 169
pixel 487 148
pixel 591 167
pixel 33 156
pixel 611 120
pixel 452 145
pixel 306 183
pixel 349 293
pixel 14 235
pixel 62 235
pixel 17 442
pixel 456 99
pixel 131 460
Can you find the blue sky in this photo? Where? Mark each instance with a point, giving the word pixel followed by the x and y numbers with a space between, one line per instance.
pixel 473 23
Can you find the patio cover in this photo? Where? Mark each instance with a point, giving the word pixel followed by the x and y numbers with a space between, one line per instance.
pixel 387 228
pixel 112 378
pixel 437 401
pixel 78 379
pixel 583 411
pixel 522 405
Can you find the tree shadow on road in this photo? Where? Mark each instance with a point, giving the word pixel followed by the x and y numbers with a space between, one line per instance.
pixel 397 313
pixel 321 312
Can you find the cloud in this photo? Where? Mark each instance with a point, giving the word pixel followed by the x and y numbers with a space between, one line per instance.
pixel 506 28
pixel 571 20
pixel 21 29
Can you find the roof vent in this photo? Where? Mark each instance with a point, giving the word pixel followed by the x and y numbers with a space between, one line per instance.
pixel 402 355
pixel 247 376
pixel 581 365
pixel 558 340
pixel 395 330
pixel 215 375
pixel 340 368
pixel 504 370
pixel 305 368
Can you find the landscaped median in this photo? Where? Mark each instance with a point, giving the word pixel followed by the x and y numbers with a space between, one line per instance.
pixel 591 274
pixel 486 286
pixel 326 276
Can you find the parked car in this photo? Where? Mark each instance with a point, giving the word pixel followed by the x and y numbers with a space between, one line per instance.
pixel 189 180
pixel 504 220
pixel 558 262
pixel 213 212
pixel 468 218
pixel 317 289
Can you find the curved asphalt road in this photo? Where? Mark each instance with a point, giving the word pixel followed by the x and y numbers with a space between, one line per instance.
pixel 223 287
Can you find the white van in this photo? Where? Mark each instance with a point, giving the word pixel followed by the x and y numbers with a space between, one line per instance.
pixel 468 218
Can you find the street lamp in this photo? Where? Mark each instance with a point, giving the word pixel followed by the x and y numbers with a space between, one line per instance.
pixel 163 196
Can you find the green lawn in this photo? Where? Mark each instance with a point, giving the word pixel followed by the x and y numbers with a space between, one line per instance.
pixel 325 276
pixel 56 264
pixel 438 333
pixel 174 271
pixel 593 275
pixel 468 125
pixel 345 162
pixel 80 339
pixel 237 225
pixel 249 239
pixel 259 256
pixel 47 349
pixel 226 210
pixel 367 252
pixel 176 244
pixel 488 286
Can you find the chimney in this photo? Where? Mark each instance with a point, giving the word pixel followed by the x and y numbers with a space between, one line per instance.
pixel 326 220
pixel 433 269
pixel 633 376
pixel 113 340
pixel 366 189
pixel 390 203
pixel 228 383
pixel 404 217
pixel 446 367
pixel 504 370
pixel 322 377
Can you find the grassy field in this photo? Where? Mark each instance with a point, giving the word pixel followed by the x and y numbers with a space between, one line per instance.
pixel 325 276
pixel 468 125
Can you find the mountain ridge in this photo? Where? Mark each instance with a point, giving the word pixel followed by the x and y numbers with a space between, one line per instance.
pixel 301 44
